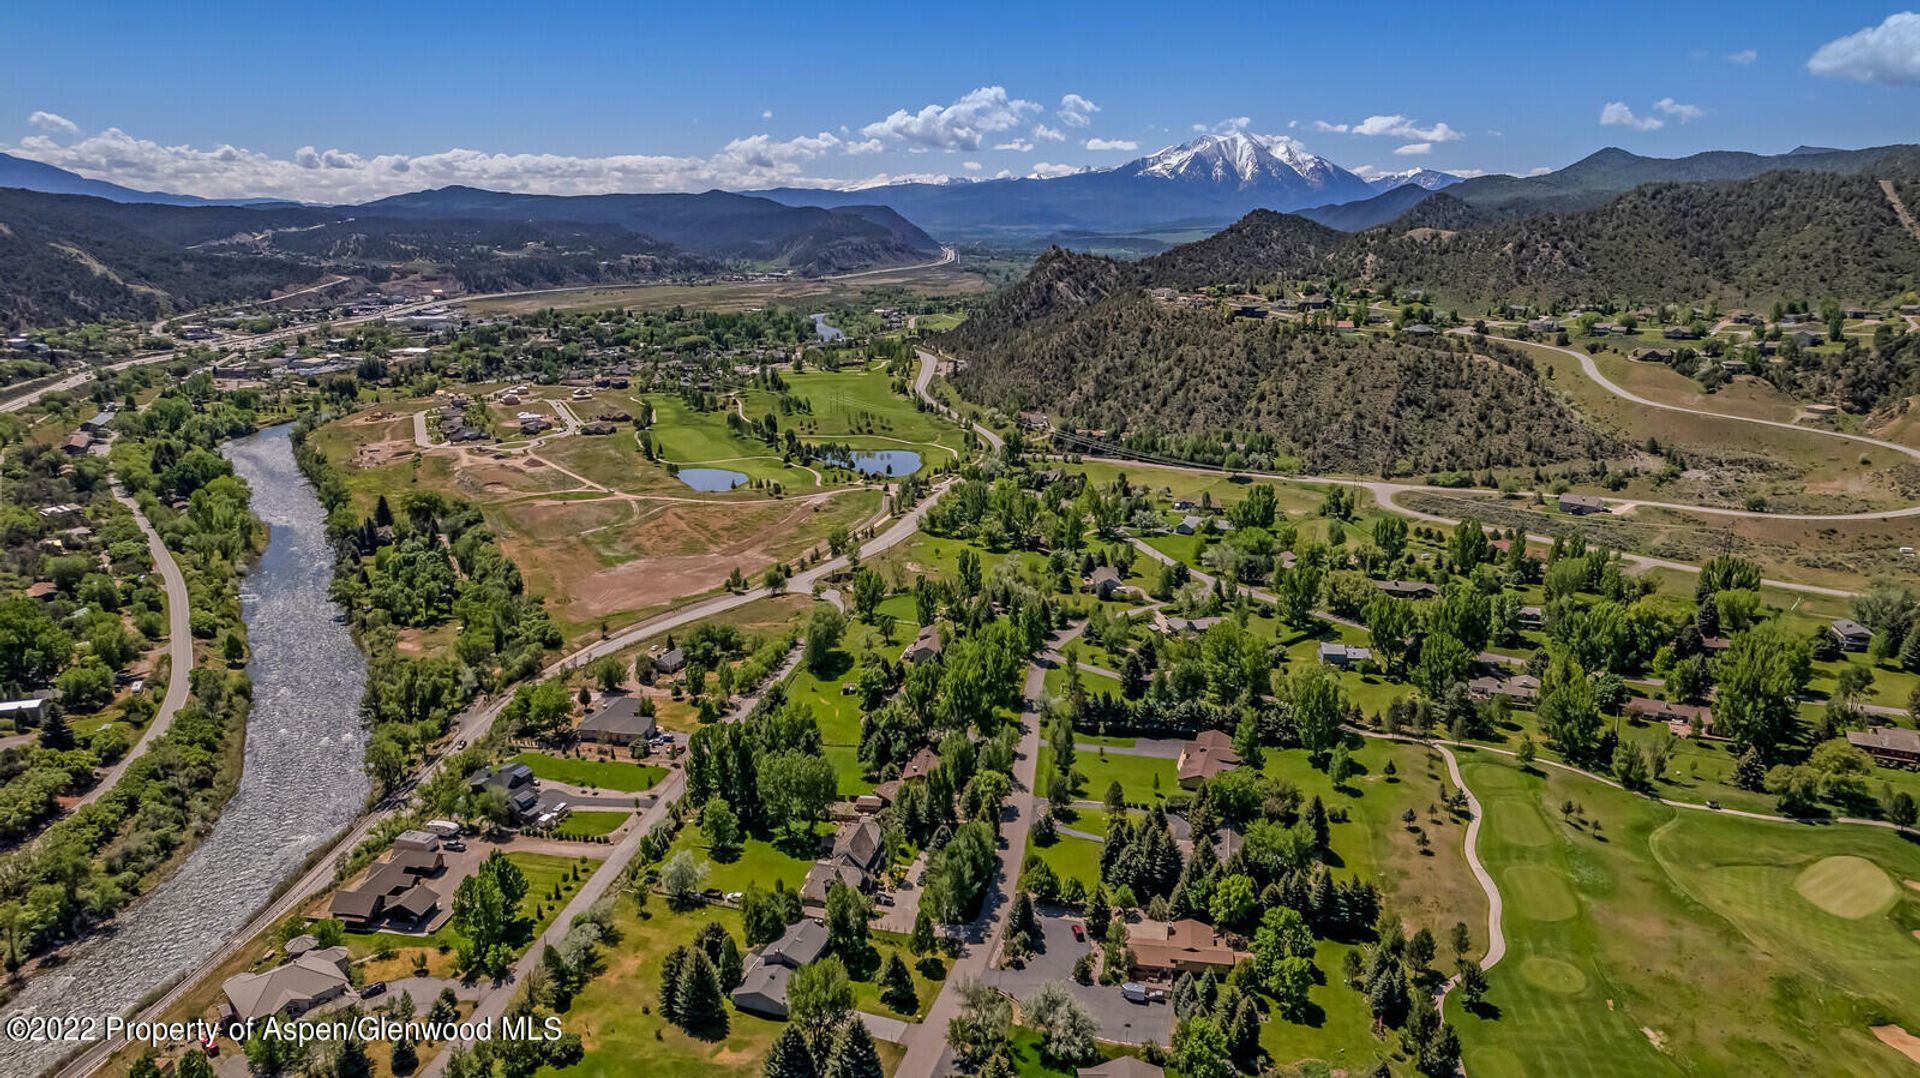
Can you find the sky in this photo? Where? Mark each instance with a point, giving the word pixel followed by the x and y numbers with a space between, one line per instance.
pixel 350 101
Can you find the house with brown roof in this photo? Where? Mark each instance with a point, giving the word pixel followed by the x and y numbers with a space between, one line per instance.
pixel 919 765
pixel 1208 754
pixel 1890 746
pixel 859 844
pixel 1164 950
pixel 1407 589
pixel 306 982
pixel 1682 719
pixel 926 646
pixel 393 893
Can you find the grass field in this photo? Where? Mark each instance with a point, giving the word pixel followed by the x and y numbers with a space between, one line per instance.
pixel 1670 941
pixel 592 774
pixel 591 824
pixel 759 861
pixel 1144 779
pixel 1071 858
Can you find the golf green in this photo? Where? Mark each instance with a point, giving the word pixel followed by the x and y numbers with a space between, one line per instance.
pixel 1846 886
pixel 1560 978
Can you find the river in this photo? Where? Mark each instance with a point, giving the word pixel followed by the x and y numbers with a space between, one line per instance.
pixel 301 784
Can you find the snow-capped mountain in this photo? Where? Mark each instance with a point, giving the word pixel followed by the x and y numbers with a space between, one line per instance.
pixel 1243 159
pixel 1210 180
pixel 1428 178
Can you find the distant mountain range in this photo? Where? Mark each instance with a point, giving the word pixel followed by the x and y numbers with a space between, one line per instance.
pixel 1204 183
pixel 32 175
pixel 68 257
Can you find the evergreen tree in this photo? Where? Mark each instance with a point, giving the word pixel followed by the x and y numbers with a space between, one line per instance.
pixel 1243 1034
pixel 855 1056
pixel 789 1057
pixel 672 969
pixel 896 986
pixel 1317 819
pixel 701 1000
pixel 406 1058
pixel 922 941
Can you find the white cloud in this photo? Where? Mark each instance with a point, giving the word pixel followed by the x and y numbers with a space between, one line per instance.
pixel 1538 170
pixel 334 175
pixel 1617 114
pixel 1226 126
pixel 1076 111
pixel 1887 53
pixel 1044 171
pixel 1675 109
pixel 1395 126
pixel 1051 134
pixel 970 166
pixel 1112 144
pixel 52 123
pixel 872 145
pixel 959 126
pixel 1018 145
pixel 1414 148
pixel 1744 57
pixel 766 114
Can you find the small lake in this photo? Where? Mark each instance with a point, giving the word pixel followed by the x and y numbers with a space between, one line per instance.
pixel 711 480
pixel 826 332
pixel 888 462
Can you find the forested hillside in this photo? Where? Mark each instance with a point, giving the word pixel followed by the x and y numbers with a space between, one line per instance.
pixel 1783 235
pixel 1081 339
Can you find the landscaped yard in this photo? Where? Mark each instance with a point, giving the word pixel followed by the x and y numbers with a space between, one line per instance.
pixel 591 824
pixel 1144 779
pixel 592 774
pixel 537 909
pixel 759 861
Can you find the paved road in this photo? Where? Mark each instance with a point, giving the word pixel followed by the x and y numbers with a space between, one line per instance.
pixel 926 1043
pixel 948 256
pixel 179 656
pixel 928 362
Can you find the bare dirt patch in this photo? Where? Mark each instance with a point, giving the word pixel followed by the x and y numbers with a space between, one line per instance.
pixel 1899 1040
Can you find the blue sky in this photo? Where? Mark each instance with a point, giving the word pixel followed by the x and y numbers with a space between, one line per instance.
pixel 357 100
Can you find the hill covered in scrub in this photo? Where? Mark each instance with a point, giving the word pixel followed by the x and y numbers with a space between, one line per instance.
pixel 1081 338
pixel 1780 236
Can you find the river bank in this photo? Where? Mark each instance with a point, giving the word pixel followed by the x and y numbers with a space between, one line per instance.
pixel 302 779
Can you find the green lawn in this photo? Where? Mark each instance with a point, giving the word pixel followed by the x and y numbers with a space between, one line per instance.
pixel 759 861
pixel 1739 946
pixel 591 824
pixel 592 774
pixel 1145 779
pixel 1071 857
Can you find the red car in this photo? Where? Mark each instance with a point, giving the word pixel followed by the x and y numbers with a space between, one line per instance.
pixel 1079 932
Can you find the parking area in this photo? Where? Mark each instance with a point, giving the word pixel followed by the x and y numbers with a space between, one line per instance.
pixel 1128 1023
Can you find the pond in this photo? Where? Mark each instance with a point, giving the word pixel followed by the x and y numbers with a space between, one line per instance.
pixel 889 462
pixel 826 332
pixel 711 480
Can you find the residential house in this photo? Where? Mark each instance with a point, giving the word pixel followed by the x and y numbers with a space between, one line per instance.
pixel 1104 581
pixel 393 892
pixel 1680 333
pixel 860 845
pixel 919 765
pixel 101 421
pixel 1522 689
pixel 821 878
pixel 20 714
pixel 77 443
pixel 1850 634
pixel 925 646
pixel 1529 617
pixel 1123 1067
pixel 1581 505
pixel 1407 589
pixel 670 661
pixel 1890 746
pixel 1682 719
pixel 1207 755
pixel 1170 625
pixel 1652 355
pixel 1163 951
pixel 316 977
pixel 617 721
pixel 1344 656
pixel 1189 524
pixel 515 782
pixel 763 985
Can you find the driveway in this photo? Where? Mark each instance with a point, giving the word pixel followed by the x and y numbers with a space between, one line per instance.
pixel 1128 1023
pixel 900 916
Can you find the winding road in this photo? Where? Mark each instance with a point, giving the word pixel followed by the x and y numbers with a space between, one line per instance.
pixel 179 656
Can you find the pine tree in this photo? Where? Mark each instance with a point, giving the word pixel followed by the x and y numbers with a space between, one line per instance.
pixel 1317 819
pixel 922 941
pixel 672 968
pixel 789 1057
pixel 896 986
pixel 1243 1033
pixel 702 1003
pixel 406 1058
pixel 855 1056
pixel 1750 771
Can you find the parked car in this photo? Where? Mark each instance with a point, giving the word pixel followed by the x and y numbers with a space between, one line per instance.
pixel 454 845
pixel 376 988
pixel 1079 932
